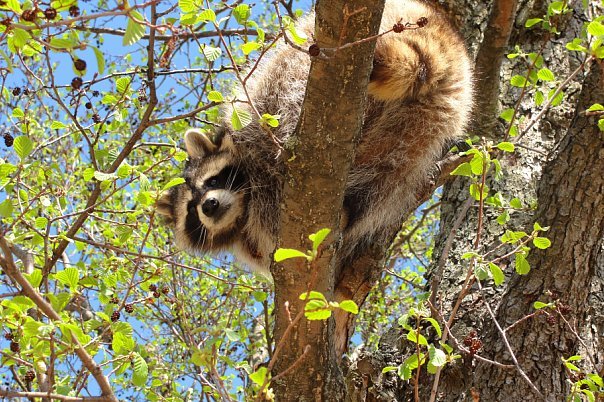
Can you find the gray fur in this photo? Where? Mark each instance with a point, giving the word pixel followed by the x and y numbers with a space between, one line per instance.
pixel 420 100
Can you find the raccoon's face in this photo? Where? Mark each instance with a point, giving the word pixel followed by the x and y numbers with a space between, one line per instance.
pixel 208 211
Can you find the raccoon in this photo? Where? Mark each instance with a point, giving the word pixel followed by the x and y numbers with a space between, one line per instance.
pixel 420 97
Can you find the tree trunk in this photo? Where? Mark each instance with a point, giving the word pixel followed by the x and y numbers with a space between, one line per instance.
pixel 307 363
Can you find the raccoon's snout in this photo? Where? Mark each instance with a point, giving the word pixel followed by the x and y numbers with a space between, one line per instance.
pixel 210 206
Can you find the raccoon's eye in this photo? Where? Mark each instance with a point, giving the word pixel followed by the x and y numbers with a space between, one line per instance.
pixel 212 182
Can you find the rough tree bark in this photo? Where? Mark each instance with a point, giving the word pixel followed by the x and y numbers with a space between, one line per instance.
pixel 559 168
pixel 328 130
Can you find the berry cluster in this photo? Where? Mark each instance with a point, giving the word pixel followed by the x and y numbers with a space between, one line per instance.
pixel 472 342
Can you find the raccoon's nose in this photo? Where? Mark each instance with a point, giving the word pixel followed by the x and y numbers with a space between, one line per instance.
pixel 210 206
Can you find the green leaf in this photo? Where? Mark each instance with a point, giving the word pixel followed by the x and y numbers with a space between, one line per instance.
pixel 122 344
pixel 388 369
pixel 516 203
pixel 140 370
pixel 538 228
pixel 542 242
pixel 40 223
pixel 601 124
pixel 435 325
pixel 61 43
pixel 102 176
pixel 20 37
pixel 14 6
pixel 88 173
pixel 286 253
pixel 539 98
pixel 173 182
pixel 69 277
pixel 595 28
pixel 477 164
pixel 100 60
pixel 504 217
pixel 532 21
pixel 546 74
pixel 437 357
pixel 317 310
pixel 576 46
pixel 211 53
pixel 249 47
pixel 57 125
pixel 242 13
pixel 556 99
pixel 414 337
pixel 313 295
pixel 540 305
pixel 270 120
pixel 349 306
pixel 507 114
pixel 465 169
pixel 497 273
pixel 506 146
pixel 518 81
pixel 35 278
pixel 122 84
pixel 207 15
pixel 596 107
pixel 134 30
pixel 215 96
pixel 259 376
pixel 186 6
pixel 240 118
pixel 23 146
pixel 475 191
pixel 18 113
pixel 318 238
pixel 522 265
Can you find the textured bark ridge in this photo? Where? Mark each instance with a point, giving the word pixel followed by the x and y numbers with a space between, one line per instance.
pixel 571 199
pixel 559 169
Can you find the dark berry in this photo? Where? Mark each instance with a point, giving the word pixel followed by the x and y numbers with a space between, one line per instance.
pixel 467 341
pixel 314 50
pixel 8 140
pixel 165 290
pixel 422 22
pixel 79 65
pixel 29 15
pixel 74 11
pixel 153 287
pixel 95 93
pixel 551 319
pixel 76 83
pixel 16 91
pixel 114 300
pixel 115 316
pixel 156 294
pixel 30 375
pixel 129 308
pixel 8 336
pixel 50 13
pixel 14 347
pixel 26 91
pixel 96 118
pixel 88 105
pixel 398 27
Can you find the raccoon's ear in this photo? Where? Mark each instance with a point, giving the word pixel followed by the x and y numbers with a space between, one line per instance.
pixel 198 144
pixel 164 205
